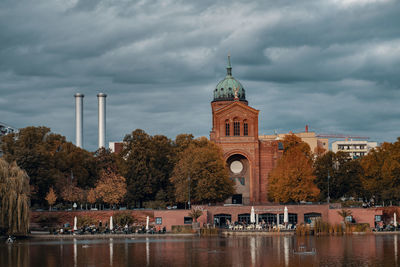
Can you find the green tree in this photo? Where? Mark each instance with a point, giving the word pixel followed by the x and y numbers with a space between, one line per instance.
pixel 381 172
pixel 14 199
pixel 203 162
pixel 147 162
pixel 49 160
pixel 293 177
pixel 344 176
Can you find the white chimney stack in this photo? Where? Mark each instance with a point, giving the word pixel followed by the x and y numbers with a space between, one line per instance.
pixel 102 119
pixel 79 119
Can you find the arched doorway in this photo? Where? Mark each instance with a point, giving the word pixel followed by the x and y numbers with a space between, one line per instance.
pixel 239 172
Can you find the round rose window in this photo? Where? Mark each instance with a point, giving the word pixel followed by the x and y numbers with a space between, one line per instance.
pixel 236 167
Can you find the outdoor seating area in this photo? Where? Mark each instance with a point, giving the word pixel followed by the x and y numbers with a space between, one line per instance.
pixel 237 226
pixel 257 222
pixel 108 228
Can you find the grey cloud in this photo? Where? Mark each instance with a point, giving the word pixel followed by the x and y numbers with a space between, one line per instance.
pixel 325 63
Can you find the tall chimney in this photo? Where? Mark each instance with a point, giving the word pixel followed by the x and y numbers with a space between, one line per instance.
pixel 79 119
pixel 102 119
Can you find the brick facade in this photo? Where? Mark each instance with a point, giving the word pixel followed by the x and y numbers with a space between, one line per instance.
pixel 258 156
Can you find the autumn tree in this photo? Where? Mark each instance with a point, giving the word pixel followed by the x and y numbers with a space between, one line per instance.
pixel 111 188
pixel 91 196
pixel 14 199
pixel 51 197
pixel 73 194
pixel 201 168
pixel 293 177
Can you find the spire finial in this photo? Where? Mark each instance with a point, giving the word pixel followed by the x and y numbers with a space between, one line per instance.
pixel 229 67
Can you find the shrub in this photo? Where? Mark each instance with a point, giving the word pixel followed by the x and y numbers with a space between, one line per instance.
pixel 48 220
pixel 155 205
pixel 85 220
pixel 124 217
pixel 182 229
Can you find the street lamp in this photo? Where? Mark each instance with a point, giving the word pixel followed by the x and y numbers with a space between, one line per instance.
pixel 328 188
pixel 189 191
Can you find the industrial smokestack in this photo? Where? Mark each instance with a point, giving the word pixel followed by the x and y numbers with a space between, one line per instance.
pixel 79 119
pixel 102 119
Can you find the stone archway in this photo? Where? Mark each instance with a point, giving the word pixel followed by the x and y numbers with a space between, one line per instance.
pixel 240 172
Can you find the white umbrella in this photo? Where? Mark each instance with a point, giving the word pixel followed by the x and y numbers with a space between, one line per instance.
pixel 75 224
pixel 395 219
pixel 111 223
pixel 252 215
pixel 147 222
pixel 286 215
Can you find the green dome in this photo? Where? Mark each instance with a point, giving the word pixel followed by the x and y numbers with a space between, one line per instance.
pixel 225 89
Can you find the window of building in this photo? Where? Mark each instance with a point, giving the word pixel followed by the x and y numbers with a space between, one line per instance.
pixel 227 129
pixel 187 220
pixel 245 129
pixel 158 220
pixel 236 128
pixel 245 218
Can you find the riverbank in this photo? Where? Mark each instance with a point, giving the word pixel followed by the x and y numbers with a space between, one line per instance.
pixel 257 233
pixel 107 236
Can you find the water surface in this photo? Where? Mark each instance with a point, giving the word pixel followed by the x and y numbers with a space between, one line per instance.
pixel 362 250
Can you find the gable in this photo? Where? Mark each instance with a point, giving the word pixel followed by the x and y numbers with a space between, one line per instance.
pixel 237 109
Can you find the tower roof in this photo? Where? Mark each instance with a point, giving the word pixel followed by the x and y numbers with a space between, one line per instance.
pixel 229 88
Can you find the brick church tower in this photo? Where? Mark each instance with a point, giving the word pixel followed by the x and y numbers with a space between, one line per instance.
pixel 235 129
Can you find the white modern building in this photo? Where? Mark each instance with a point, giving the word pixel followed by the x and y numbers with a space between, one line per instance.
pixel 355 148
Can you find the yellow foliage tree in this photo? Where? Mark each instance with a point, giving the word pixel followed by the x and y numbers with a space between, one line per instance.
pixel 293 177
pixel 51 197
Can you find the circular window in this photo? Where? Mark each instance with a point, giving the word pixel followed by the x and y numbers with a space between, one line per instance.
pixel 236 167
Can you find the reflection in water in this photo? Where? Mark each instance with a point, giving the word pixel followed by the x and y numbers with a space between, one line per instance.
pixel 111 251
pixel 286 249
pixel 366 250
pixel 253 250
pixel 75 253
pixel 147 251
pixel 395 248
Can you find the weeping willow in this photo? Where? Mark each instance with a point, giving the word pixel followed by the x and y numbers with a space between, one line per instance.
pixel 14 199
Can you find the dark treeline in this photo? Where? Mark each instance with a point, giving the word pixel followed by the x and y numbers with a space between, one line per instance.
pixel 144 174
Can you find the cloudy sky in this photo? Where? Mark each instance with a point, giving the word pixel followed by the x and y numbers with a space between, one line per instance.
pixel 333 64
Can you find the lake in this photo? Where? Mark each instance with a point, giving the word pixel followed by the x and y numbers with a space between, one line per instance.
pixel 352 250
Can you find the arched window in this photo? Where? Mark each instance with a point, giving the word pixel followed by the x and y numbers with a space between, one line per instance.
pixel 227 128
pixel 245 128
pixel 236 128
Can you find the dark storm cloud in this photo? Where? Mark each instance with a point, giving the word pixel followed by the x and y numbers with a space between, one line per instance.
pixel 330 64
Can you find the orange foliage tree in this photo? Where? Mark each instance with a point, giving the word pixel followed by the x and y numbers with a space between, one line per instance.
pixel 111 188
pixel 51 197
pixel 72 193
pixel 91 196
pixel 293 177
